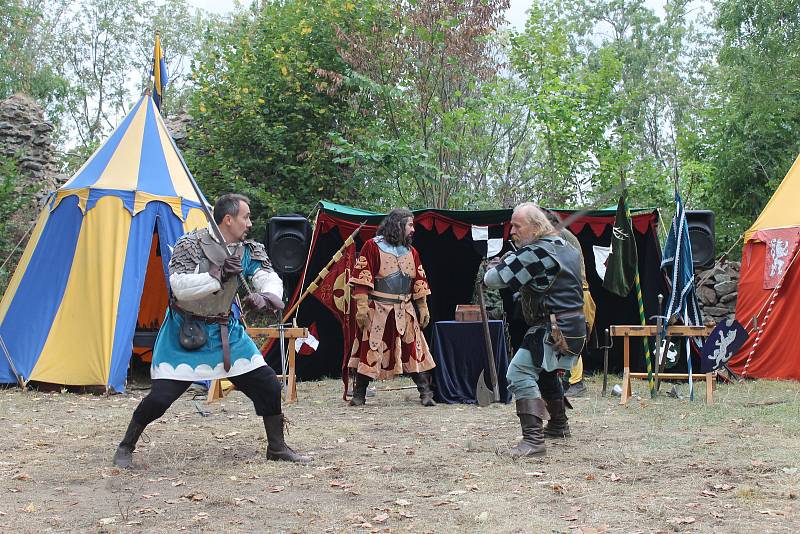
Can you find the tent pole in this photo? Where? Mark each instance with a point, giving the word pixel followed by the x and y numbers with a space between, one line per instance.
pixel 11 363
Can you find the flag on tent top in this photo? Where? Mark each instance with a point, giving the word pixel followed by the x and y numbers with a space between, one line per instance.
pixel 159 73
pixel 621 264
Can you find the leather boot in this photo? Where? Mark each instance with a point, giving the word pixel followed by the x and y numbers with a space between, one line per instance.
pixel 424 384
pixel 360 390
pixel 531 412
pixel 557 426
pixel 276 446
pixel 123 457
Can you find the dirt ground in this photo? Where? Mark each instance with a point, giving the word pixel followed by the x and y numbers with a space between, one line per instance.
pixel 666 465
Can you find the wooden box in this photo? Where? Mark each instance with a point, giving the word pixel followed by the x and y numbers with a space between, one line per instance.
pixel 468 312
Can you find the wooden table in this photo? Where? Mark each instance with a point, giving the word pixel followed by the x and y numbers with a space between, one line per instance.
pixel 290 334
pixel 629 331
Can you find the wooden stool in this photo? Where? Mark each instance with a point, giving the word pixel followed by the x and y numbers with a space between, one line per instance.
pixel 290 334
pixel 629 331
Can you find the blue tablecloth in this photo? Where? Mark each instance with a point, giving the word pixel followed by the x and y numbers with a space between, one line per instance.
pixel 459 350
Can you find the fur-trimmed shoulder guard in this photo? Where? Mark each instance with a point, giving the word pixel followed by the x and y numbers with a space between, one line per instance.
pixel 258 252
pixel 187 254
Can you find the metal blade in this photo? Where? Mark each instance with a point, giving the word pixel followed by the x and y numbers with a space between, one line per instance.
pixel 483 394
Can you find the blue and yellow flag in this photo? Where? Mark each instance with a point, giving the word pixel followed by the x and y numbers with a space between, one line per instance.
pixel 159 73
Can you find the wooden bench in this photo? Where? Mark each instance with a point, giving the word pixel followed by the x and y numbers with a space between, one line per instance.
pixel 629 331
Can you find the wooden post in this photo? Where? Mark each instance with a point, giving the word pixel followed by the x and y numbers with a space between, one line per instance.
pixel 215 391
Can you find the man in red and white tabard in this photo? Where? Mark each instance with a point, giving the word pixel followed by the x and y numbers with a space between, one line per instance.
pixel 389 291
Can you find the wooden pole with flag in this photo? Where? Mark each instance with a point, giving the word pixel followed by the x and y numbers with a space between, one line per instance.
pixel 158 73
pixel 622 273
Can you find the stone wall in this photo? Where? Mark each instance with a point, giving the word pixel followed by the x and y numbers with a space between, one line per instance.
pixel 25 137
pixel 717 290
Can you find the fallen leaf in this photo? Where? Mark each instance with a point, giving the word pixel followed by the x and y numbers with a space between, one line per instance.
pixel 534 474
pixel 457 492
pixel 569 517
pixel 178 483
pixel 723 487
pixel 706 493
pixel 558 488
pixel 22 476
pixel 402 502
pixel 31 508
pixel 380 518
pixel 107 520
pixel 483 516
pixel 276 489
pixel 681 520
pixel 589 477
pixel 614 477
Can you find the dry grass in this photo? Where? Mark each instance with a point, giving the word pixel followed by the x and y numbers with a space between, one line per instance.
pixel 664 465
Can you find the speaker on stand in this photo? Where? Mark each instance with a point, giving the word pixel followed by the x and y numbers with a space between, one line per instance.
pixel 288 239
pixel 701 238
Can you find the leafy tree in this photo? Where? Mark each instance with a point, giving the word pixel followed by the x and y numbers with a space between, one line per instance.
pixel 428 61
pixel 26 51
pixel 748 135
pixel 272 91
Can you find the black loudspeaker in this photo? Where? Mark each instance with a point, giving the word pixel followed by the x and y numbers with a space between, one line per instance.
pixel 701 237
pixel 288 238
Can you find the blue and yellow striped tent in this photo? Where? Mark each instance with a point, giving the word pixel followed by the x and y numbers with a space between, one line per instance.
pixel 70 311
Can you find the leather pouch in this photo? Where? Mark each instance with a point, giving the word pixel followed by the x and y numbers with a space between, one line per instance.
pixel 193 333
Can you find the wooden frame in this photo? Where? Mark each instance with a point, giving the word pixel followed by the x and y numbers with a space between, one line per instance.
pixel 629 331
pixel 290 334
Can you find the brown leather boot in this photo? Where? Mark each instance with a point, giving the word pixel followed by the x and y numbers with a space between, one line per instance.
pixel 123 457
pixel 360 390
pixel 424 382
pixel 276 446
pixel 531 412
pixel 557 426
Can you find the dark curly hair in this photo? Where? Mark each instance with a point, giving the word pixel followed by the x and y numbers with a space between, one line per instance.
pixel 392 227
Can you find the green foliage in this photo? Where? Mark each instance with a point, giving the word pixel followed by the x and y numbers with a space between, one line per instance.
pixel 748 135
pixel 272 92
pixel 11 200
pixel 27 64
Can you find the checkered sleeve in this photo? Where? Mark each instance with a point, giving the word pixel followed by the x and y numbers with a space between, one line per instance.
pixel 531 265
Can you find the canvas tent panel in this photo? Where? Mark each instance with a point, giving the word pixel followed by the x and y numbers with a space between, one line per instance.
pixel 86 318
pixel 451 265
pixel 153 175
pixel 122 171
pixel 781 210
pixel 776 353
pixel 94 167
pixel 37 298
pixel 24 261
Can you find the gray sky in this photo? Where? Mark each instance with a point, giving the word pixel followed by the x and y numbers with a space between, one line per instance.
pixel 515 15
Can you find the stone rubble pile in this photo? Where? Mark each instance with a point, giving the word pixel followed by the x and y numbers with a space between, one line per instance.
pixel 717 290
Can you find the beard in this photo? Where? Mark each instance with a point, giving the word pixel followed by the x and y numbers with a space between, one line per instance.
pixel 408 239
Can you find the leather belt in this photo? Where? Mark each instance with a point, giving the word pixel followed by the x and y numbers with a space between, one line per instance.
pixel 388 297
pixel 222 321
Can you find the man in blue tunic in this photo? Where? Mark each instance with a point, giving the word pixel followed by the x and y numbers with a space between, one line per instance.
pixel 202 338
pixel 546 271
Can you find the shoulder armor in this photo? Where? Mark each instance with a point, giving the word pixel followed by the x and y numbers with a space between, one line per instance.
pixel 257 251
pixel 187 254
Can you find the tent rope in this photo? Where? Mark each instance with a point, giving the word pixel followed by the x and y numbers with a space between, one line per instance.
pixel 11 254
pixel 710 272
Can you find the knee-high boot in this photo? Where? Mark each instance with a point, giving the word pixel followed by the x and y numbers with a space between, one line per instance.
pixel 531 412
pixel 360 390
pixel 276 446
pixel 424 382
pixel 123 457
pixel 557 426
